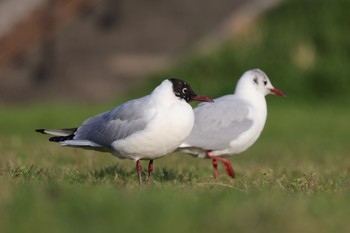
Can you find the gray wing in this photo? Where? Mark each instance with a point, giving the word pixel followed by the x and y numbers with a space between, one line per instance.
pixel 119 123
pixel 218 123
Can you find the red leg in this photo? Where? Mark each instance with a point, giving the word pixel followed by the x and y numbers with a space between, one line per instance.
pixel 229 170
pixel 138 169
pixel 215 166
pixel 150 170
pixel 228 166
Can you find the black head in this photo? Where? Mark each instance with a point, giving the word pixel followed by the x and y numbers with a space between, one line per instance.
pixel 183 90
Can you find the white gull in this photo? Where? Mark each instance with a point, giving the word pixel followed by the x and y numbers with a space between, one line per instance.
pixel 232 123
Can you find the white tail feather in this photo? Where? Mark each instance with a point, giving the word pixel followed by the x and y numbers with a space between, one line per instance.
pixel 58 132
pixel 80 143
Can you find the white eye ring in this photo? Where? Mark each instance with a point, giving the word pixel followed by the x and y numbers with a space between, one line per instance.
pixel 184 90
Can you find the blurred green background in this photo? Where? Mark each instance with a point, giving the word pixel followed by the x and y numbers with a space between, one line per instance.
pixel 294 179
pixel 303 46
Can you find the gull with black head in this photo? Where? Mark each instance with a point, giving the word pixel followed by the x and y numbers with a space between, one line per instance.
pixel 141 129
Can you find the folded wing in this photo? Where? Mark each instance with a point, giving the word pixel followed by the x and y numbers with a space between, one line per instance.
pixel 119 123
pixel 216 125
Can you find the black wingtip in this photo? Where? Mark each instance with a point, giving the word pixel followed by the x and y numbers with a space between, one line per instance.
pixel 57 139
pixel 61 138
pixel 40 131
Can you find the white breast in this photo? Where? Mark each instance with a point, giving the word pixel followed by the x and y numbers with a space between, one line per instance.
pixel 164 133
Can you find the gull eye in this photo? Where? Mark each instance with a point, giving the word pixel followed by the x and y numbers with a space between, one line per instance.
pixel 265 82
pixel 184 90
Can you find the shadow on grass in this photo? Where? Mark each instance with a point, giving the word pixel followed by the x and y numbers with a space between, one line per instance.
pixel 23 173
pixel 173 175
pixel 113 174
pixel 118 173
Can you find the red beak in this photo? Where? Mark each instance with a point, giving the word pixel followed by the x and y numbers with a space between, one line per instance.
pixel 277 92
pixel 202 98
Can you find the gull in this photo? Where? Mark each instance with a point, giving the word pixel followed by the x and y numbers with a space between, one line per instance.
pixel 232 123
pixel 141 129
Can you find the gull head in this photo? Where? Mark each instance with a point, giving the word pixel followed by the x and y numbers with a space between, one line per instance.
pixel 256 80
pixel 183 90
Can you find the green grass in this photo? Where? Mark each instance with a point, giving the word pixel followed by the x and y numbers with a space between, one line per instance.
pixel 296 178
